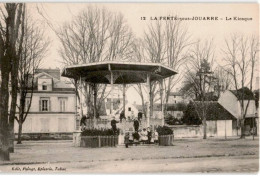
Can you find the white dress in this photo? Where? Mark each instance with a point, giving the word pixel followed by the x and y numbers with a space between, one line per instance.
pixel 144 135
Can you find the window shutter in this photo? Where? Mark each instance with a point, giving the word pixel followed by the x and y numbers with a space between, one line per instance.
pixel 65 105
pixel 49 105
pixel 40 105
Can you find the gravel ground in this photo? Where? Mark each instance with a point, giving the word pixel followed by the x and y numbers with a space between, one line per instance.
pixel 62 152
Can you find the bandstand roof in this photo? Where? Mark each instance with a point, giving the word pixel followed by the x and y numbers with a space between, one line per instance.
pixel 123 72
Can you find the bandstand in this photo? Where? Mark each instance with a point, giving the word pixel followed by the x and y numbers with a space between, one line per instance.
pixel 115 72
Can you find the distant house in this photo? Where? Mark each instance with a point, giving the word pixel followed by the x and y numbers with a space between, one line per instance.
pixel 176 97
pixel 53 105
pixel 231 100
pixel 176 110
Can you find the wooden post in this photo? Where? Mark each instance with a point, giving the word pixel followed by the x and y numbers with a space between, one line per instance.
pixel 149 100
pixel 99 142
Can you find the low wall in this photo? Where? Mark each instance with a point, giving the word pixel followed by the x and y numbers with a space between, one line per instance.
pixel 46 136
pixel 125 124
pixel 214 129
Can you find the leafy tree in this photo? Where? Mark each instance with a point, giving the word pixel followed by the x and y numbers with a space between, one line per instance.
pixel 190 116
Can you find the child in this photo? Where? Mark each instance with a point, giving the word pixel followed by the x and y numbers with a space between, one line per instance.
pixel 155 136
pixel 126 139
pixel 144 135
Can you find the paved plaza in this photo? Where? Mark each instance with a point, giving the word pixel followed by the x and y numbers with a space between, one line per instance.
pixel 186 155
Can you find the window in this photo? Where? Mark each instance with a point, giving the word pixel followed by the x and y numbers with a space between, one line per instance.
pixel 45 124
pixel 27 103
pixel 129 109
pixel 45 104
pixel 44 86
pixel 27 125
pixel 77 124
pixel 62 104
pixel 63 125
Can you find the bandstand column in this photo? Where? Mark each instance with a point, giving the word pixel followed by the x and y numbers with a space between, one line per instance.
pixel 95 100
pixel 81 98
pixel 124 98
pixel 162 105
pixel 149 101
pixel 112 92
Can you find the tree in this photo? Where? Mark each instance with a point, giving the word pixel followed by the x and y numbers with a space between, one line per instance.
pixel 240 56
pixel 190 116
pixel 94 35
pixel 178 42
pixel 165 42
pixel 11 37
pixel 34 48
pixel 222 80
pixel 198 79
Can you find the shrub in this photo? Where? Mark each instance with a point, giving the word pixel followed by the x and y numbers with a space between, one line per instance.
pixel 164 130
pixel 99 132
pixel 190 116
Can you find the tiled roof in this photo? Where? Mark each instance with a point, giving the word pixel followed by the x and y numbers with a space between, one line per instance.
pixel 53 72
pixel 243 93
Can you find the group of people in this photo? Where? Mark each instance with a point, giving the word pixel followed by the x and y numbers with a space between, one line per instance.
pixel 132 117
pixel 145 135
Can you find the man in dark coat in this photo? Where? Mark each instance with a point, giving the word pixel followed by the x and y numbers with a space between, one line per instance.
pixel 139 116
pixel 136 125
pixel 83 122
pixel 149 135
pixel 122 116
pixel 113 125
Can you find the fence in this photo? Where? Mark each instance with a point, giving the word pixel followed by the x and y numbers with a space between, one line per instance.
pixel 98 141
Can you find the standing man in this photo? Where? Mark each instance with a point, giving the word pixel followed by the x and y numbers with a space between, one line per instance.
pixel 122 116
pixel 113 125
pixel 140 115
pixel 136 125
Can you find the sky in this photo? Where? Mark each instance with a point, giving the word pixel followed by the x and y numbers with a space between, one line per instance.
pixel 58 13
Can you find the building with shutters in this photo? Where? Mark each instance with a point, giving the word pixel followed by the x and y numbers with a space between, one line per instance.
pixel 53 108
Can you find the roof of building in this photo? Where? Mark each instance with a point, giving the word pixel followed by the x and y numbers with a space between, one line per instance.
pixel 124 72
pixel 58 84
pixel 53 72
pixel 216 112
pixel 243 93
pixel 170 107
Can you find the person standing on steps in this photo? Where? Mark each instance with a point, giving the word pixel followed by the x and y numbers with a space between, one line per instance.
pixel 122 116
pixel 136 125
pixel 149 135
pixel 113 125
